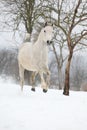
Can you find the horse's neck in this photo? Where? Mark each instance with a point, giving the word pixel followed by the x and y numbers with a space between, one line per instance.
pixel 40 50
pixel 40 43
pixel 40 47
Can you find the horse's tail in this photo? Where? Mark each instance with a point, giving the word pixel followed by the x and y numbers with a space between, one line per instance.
pixel 27 37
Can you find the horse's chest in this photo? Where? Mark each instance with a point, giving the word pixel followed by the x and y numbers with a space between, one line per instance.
pixel 43 55
pixel 40 52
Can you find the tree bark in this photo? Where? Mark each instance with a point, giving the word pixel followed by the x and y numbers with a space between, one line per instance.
pixel 60 78
pixel 67 74
pixel 59 66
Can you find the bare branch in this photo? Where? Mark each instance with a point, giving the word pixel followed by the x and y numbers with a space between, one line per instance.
pixel 74 16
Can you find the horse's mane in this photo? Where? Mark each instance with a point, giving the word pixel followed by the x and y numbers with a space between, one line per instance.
pixel 27 38
pixel 37 29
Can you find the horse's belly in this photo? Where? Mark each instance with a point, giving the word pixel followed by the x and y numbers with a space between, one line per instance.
pixel 28 64
pixel 30 67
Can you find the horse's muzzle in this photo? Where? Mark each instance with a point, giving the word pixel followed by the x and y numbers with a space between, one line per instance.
pixel 49 42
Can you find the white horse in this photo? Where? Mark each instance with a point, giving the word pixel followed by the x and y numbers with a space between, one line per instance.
pixel 34 57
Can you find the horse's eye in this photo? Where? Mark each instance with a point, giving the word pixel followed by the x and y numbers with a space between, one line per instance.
pixel 44 31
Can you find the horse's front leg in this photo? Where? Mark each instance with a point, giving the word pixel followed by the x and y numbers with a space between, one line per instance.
pixel 32 80
pixel 43 83
pixel 47 72
pixel 48 78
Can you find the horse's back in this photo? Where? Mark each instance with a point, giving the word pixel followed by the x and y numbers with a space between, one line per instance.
pixel 25 45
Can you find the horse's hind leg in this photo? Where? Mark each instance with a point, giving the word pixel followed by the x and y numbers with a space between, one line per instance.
pixel 32 80
pixel 21 74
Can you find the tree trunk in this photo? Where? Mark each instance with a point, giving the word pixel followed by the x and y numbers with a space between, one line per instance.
pixel 60 78
pixel 67 75
pixel 59 66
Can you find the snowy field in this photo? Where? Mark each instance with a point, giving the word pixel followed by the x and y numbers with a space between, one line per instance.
pixel 41 111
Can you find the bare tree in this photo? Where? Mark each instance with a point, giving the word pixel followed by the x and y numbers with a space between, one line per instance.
pixel 17 12
pixel 55 13
pixel 78 17
pixel 71 18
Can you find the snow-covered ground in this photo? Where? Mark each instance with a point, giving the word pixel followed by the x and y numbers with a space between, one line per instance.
pixel 41 111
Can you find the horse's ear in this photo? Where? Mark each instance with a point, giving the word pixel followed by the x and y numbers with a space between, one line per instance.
pixel 45 24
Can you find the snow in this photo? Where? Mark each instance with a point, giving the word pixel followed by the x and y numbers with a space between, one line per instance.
pixel 29 110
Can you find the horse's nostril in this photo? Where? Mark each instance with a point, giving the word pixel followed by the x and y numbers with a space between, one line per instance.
pixel 47 41
pixel 50 42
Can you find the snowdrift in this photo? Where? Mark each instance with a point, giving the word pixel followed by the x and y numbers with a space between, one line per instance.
pixel 41 111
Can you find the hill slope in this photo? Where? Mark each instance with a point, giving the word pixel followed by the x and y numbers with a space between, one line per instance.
pixel 40 111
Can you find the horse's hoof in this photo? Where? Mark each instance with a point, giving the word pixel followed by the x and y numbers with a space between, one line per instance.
pixel 44 90
pixel 33 89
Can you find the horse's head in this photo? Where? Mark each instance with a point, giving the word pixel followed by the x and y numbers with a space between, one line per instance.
pixel 48 33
